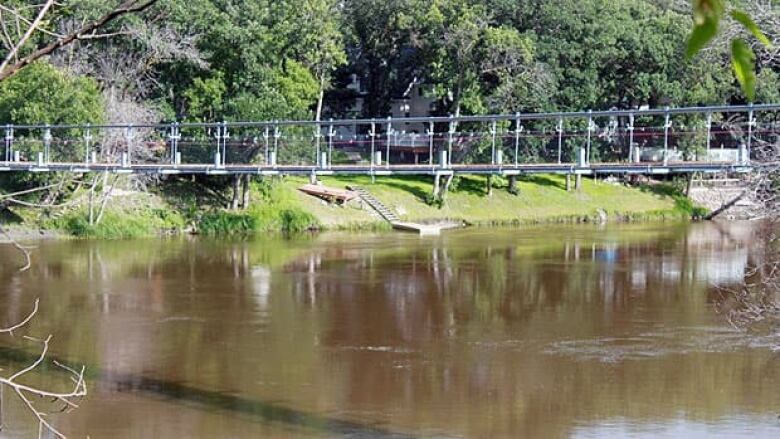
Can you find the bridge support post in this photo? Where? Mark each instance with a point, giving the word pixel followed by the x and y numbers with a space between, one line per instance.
pixel 443 159
pixel 637 151
pixel 436 186
pixel 234 202
pixel 743 156
pixel 578 182
pixel 323 160
pixel 489 185
pixel 568 182
pixel 245 192
pixel 313 177
pixel 513 185
pixel 582 161
pixel 447 184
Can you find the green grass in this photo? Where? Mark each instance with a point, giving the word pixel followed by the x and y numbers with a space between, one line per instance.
pixel 274 208
pixel 278 206
pixel 120 224
pixel 540 199
pixel 257 220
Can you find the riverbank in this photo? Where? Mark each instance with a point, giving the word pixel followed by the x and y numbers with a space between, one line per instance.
pixel 276 205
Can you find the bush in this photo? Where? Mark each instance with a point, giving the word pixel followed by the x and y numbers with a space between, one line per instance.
pixel 117 224
pixel 111 226
pixel 268 218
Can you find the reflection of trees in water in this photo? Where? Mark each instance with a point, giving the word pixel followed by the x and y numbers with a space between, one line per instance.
pixel 447 333
pixel 504 282
pixel 452 328
pixel 753 304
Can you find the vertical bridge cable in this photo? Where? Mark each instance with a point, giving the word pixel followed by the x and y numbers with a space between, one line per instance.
pixel 518 130
pixel 9 142
pixel 430 143
pixel 87 141
pixel 631 154
pixel 275 155
pixel 390 131
pixel 372 135
pixel 331 133
pixel 667 125
pixel 266 137
pixel 47 138
pixel 559 129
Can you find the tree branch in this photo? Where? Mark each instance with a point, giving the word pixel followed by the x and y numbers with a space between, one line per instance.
pixel 129 6
pixel 30 29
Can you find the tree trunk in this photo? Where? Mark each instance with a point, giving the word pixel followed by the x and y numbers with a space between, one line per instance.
pixel 245 193
pixel 513 185
pixel 320 99
pixel 106 196
pixel 91 200
pixel 236 192
pixel 688 184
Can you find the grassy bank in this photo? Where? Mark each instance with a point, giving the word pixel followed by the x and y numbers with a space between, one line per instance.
pixel 540 199
pixel 278 206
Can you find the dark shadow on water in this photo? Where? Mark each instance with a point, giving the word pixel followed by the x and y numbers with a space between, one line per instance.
pixel 259 410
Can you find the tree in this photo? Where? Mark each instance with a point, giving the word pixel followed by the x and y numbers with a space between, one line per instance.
pixel 315 27
pixel 19 50
pixel 41 93
pixel 382 38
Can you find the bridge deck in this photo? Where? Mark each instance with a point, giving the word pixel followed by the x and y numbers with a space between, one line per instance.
pixel 648 168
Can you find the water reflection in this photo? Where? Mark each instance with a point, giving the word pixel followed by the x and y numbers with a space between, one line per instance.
pixel 548 332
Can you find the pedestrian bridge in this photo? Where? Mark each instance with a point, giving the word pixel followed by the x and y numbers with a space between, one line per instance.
pixel 646 141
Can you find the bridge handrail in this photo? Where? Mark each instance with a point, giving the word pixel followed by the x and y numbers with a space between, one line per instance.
pixel 435 119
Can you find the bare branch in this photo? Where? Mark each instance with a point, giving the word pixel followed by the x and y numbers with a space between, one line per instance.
pixel 129 6
pixel 25 391
pixel 30 29
pixel 26 320
pixel 22 249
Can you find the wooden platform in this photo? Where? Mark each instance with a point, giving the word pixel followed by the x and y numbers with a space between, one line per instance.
pixel 423 229
pixel 328 194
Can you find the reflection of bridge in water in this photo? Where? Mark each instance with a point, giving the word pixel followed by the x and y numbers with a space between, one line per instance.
pixel 652 141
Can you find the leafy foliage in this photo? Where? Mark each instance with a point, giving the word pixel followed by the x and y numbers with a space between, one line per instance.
pixel 707 18
pixel 41 93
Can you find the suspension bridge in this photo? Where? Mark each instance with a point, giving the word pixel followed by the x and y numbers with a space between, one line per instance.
pixel 644 141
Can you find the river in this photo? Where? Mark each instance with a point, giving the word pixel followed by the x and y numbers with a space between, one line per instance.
pixel 555 331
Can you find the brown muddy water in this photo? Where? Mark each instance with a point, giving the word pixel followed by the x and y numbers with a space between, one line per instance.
pixel 570 331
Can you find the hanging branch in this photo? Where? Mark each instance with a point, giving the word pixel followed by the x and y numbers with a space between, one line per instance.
pixel 86 31
pixel 24 250
pixel 25 392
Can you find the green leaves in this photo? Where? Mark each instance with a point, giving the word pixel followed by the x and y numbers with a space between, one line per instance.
pixel 707 15
pixel 706 18
pixel 743 61
pixel 748 23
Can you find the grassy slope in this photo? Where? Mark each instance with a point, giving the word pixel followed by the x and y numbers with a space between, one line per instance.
pixel 541 198
pixel 281 207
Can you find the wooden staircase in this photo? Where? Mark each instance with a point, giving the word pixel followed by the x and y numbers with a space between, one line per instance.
pixel 383 211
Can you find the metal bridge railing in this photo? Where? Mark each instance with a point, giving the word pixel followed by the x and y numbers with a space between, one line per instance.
pixel 725 134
